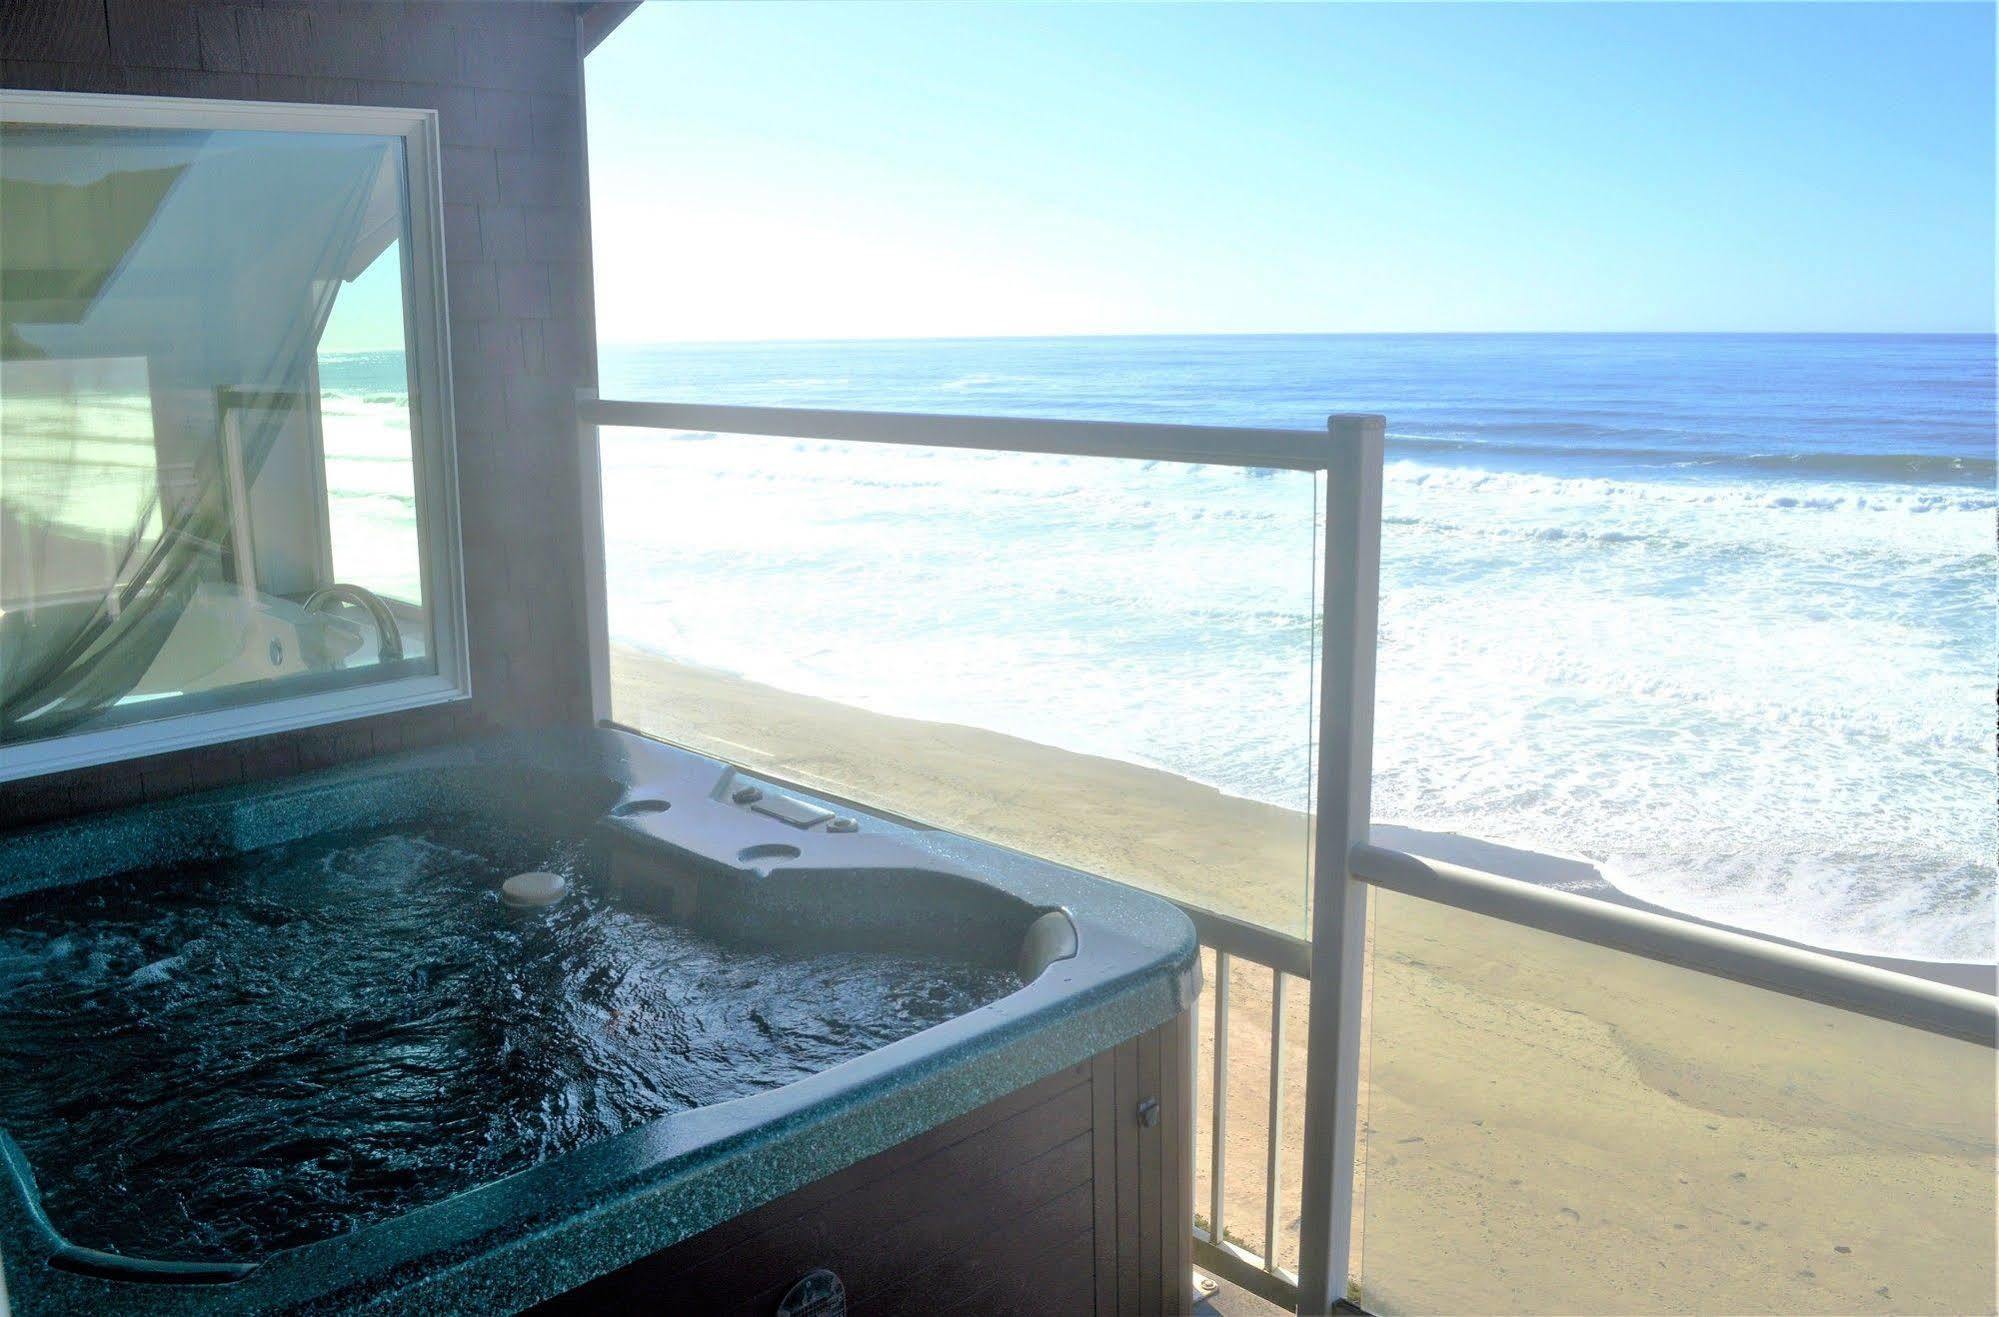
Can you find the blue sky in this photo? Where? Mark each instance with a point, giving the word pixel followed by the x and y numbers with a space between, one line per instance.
pixel 368 313
pixel 854 171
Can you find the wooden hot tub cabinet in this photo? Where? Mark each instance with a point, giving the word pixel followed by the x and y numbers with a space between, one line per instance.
pixel 1071 1195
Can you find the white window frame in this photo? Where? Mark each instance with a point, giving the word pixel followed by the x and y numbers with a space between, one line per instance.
pixel 433 434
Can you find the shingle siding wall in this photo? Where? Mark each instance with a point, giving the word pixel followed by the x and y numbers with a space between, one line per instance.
pixel 505 80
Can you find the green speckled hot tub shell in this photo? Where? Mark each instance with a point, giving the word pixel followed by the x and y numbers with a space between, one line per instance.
pixel 532 1235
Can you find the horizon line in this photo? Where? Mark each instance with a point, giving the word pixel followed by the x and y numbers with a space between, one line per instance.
pixel 1313 333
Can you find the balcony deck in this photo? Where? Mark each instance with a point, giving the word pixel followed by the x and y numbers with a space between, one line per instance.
pixel 1226 1300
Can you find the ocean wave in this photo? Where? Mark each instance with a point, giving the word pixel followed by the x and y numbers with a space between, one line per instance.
pixel 980 380
pixel 357 499
pixel 1850 903
pixel 1910 468
pixel 1823 497
pixel 366 402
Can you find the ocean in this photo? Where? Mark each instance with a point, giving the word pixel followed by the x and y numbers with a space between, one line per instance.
pixel 1715 613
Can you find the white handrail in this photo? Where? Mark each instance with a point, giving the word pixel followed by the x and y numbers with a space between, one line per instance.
pixel 1297 450
pixel 1793 971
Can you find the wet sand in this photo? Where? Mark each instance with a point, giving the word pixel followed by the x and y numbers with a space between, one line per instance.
pixel 1548 1126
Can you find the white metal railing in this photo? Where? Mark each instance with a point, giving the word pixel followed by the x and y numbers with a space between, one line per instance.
pixel 1286 957
pixel 1344 866
pixel 1809 975
pixel 1793 971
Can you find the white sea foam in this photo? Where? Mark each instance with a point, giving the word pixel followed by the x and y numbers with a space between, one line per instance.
pixel 371 478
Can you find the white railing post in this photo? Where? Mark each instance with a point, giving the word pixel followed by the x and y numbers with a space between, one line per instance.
pixel 596 618
pixel 1273 1129
pixel 1218 1129
pixel 1351 558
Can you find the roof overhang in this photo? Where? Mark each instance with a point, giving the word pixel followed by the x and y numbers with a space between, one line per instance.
pixel 595 21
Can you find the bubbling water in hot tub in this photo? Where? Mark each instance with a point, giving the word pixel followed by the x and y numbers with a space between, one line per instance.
pixel 228 1060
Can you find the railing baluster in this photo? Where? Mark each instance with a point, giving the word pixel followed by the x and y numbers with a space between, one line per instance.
pixel 1218 1156
pixel 1239 1265
pixel 1275 1127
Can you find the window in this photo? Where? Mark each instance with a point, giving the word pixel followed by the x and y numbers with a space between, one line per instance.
pixel 227 503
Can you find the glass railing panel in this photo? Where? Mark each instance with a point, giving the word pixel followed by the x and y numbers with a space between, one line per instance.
pixel 1209 1017
pixel 1103 661
pixel 1552 1127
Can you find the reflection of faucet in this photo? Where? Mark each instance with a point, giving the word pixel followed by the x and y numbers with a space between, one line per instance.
pixel 390 647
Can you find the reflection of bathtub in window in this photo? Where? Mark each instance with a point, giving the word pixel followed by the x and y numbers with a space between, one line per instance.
pixel 227 638
pixel 169 545
pixel 79 466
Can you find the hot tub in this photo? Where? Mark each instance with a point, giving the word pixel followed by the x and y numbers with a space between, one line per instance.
pixel 290 1047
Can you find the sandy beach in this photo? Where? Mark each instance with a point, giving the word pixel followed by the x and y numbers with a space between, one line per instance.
pixel 1549 1127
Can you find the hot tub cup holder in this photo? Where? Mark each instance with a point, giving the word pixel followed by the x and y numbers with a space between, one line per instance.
pixel 641 806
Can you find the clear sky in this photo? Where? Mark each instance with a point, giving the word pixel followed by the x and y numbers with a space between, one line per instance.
pixel 368 312
pixel 876 170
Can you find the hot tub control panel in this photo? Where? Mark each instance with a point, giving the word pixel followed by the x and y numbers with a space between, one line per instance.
pixel 788 809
